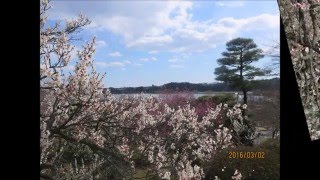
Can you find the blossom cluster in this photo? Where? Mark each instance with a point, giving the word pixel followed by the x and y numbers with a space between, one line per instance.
pixel 76 111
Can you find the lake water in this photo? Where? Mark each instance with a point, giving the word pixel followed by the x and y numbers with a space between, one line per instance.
pixel 254 98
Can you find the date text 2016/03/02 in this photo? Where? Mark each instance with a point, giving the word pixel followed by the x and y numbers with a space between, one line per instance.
pixel 247 155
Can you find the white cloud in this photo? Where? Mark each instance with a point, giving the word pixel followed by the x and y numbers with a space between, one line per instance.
pixel 111 64
pixel 230 4
pixel 115 54
pixel 145 40
pixel 176 66
pixel 153 52
pixel 178 58
pixel 173 60
pixel 273 48
pixel 144 59
pixel 100 44
pixel 137 64
pixel 149 59
pixel 166 25
pixel 117 64
pixel 262 21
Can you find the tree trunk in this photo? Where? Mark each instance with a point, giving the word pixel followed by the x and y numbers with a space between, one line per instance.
pixel 245 96
pixel 244 91
pixel 245 99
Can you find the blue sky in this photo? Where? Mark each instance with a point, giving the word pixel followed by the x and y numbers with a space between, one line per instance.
pixel 144 43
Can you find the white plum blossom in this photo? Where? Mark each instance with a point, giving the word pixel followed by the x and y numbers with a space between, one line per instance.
pixel 244 106
pixel 77 110
pixel 190 172
pixel 166 175
pixel 237 175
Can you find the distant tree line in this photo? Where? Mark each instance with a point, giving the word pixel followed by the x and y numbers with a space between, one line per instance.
pixel 264 84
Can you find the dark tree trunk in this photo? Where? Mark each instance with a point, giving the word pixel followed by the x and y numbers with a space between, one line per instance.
pixel 245 100
pixel 244 91
pixel 245 96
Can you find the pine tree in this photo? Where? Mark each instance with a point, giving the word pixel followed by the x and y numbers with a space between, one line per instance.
pixel 236 65
pixel 237 70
